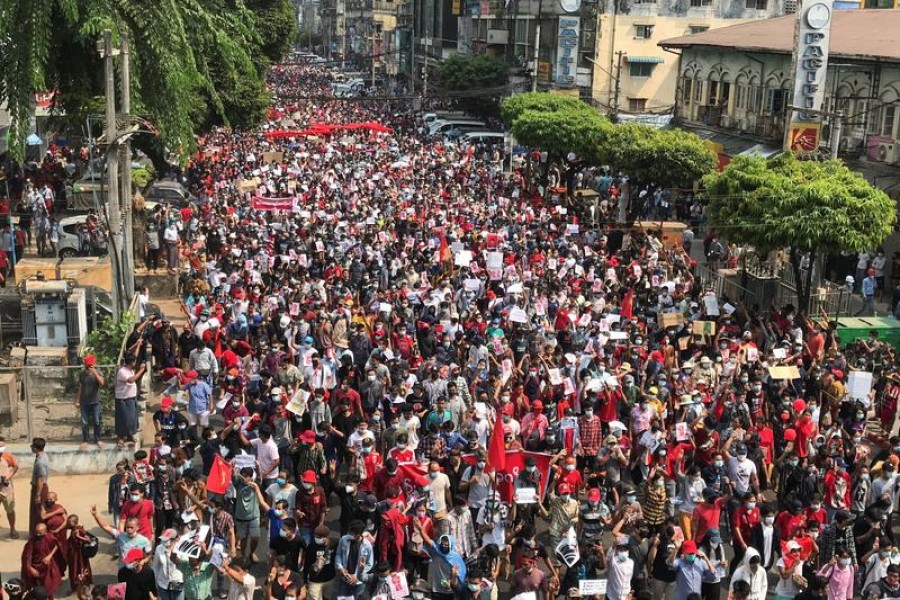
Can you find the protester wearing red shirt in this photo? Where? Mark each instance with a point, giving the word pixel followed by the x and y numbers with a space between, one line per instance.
pixel 707 514
pixel 138 507
pixel 815 512
pixel 837 486
pixel 745 518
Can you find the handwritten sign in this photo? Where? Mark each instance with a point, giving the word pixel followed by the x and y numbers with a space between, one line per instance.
pixel 859 384
pixel 669 319
pixel 790 372
pixel 592 587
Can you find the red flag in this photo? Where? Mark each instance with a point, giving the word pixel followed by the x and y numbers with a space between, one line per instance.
pixel 515 464
pixel 445 255
pixel 415 473
pixel 219 476
pixel 496 458
pixel 627 308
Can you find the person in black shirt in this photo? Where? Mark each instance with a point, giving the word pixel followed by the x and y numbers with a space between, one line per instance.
pixel 281 579
pixel 349 496
pixel 140 581
pixel 345 421
pixel 289 545
pixel 318 562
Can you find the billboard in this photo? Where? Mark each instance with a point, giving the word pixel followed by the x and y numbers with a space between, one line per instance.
pixel 811 37
pixel 567 50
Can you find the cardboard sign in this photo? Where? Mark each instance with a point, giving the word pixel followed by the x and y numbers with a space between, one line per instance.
pixel 669 319
pixel 268 157
pixel 790 372
pixel 705 328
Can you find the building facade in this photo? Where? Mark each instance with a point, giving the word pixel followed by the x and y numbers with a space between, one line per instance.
pixel 631 72
pixel 739 80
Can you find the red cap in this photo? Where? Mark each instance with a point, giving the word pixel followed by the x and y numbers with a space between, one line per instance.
pixel 134 555
pixel 308 436
pixel 871 272
pixel 563 488
pixel 689 547
pixel 537 405
pixel 594 495
pixel 799 405
pixel 90 360
pixel 309 477
pixel 167 402
pixel 790 435
pixel 837 373
pixel 191 375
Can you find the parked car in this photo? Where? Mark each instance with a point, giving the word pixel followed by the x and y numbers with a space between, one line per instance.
pixel 167 191
pixel 82 235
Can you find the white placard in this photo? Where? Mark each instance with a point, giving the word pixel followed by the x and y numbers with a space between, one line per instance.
pixel 859 384
pixel 463 259
pixel 525 496
pixel 517 315
pixel 398 586
pixel 494 260
pixel 712 305
pixel 525 596
pixel 297 405
pixel 188 545
pixel 592 587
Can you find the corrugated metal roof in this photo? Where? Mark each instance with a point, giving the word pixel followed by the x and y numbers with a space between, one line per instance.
pixel 862 34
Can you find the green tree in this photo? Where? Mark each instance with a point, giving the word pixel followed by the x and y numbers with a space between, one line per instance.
pixel 562 131
pixel 512 107
pixel 187 58
pixel 104 343
pixel 804 206
pixel 477 81
pixel 665 157
pixel 276 24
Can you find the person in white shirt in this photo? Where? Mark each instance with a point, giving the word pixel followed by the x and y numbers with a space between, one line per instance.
pixel 242 583
pixel 619 570
pixel 753 573
pixel 266 451
pixel 168 575
pixel 410 422
pixel 282 489
pixel 355 441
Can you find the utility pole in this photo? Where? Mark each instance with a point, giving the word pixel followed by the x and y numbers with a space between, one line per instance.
pixel 128 237
pixel 108 53
pixel 614 109
pixel 424 80
pixel 537 46
pixel 412 52
pixel 836 130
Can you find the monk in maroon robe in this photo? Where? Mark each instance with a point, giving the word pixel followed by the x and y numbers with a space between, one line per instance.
pixel 41 561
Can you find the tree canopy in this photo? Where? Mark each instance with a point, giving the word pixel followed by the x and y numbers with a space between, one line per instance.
pixel 194 62
pixel 670 157
pixel 484 76
pixel 560 123
pixel 806 206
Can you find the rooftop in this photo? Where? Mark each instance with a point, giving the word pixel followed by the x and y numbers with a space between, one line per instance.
pixel 855 34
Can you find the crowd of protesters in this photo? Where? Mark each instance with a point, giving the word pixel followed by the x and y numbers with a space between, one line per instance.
pixel 408 371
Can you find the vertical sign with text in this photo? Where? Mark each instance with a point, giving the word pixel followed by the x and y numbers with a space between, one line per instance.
pixel 567 50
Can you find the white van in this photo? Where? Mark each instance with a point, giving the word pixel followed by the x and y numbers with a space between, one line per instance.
pixel 431 117
pixel 441 127
pixel 484 137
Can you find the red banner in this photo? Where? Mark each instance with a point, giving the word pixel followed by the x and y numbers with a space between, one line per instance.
pixel 515 464
pixel 261 203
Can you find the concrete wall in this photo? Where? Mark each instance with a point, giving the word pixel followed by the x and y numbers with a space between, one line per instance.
pixel 617 33
pixel 713 9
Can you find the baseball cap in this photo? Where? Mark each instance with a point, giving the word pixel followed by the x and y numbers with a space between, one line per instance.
pixel 792 545
pixel 169 534
pixel 563 488
pixel 308 436
pixel 309 476
pixel 593 495
pixel 134 555
pixel 689 547
pixel 167 402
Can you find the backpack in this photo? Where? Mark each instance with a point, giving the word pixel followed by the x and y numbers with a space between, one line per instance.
pixel 89 549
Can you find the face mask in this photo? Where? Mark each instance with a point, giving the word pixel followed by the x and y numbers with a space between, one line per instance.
pixel 235 405
pixel 751 505
pixel 570 468
pixel 859 416
pixel 474 587
pixel 885 553
pixel 741 456
pixel 565 497
pixel 793 463
pixel 690 559
pixel 135 497
pixel 481 465
pixel 371 378
pixel 719 463
pixel 815 506
pixel 280 513
pixel 631 499
pixel 376 418
pixel 864 476
pixel 769 520
pixel 308 487
pixel 663 452
pixel 531 469
pixel 284 533
pixel 621 556
pixel 845 562
pixel 281 481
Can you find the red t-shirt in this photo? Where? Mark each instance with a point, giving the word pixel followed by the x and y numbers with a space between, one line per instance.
pixel 143 512
pixel 707 516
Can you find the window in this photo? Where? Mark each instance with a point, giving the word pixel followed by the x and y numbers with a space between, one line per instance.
pixel 640 69
pixel 740 97
pixel 776 103
pixel 695 29
pixel 636 105
pixel 713 92
pixel 686 90
pixel 698 91
pixel 521 31
pixel 644 2
pixel 699 3
pixel 643 31
pixel 887 120
pixel 757 4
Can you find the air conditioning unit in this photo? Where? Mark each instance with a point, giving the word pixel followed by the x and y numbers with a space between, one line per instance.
pixel 887 152
pixel 497 36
